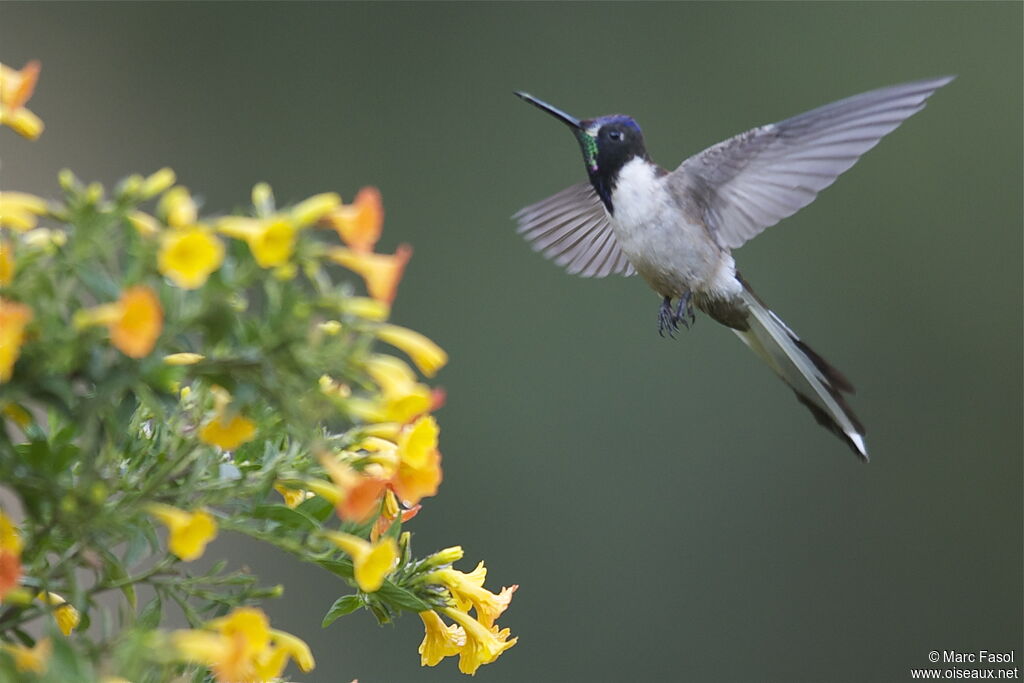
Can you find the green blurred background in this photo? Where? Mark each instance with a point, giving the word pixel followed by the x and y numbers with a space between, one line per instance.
pixel 670 512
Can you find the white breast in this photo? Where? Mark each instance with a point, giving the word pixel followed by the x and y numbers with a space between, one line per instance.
pixel 671 253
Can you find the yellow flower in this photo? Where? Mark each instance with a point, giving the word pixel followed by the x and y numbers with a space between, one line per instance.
pixel 227 432
pixel 402 397
pixel 14 317
pixel 144 224
pixel 483 644
pixel 183 358
pixel 6 262
pixel 366 308
pixel 178 208
pixel 271 240
pixel 10 555
pixel 16 87
pixel 66 616
pixel 467 589
pixel 34 659
pixel 419 462
pixel 292 497
pixel 371 562
pixel 188 256
pixel 439 640
pixel 157 183
pixel 359 224
pixel 311 210
pixel 242 647
pixel 294 647
pixel 19 211
pixel 381 272
pixel 428 356
pixel 189 531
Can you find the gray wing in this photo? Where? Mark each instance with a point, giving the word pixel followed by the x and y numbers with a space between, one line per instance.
pixel 754 180
pixel 571 228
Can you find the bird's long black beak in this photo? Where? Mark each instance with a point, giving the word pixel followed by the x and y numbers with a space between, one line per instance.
pixel 571 121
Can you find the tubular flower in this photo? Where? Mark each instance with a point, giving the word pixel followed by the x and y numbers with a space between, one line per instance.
pixel 188 256
pixel 366 308
pixel 34 659
pixel 271 240
pixel 225 429
pixel 381 272
pixel 178 208
pixel 141 319
pixel 402 397
pixel 356 496
pixel 439 640
pixel 372 562
pixel 19 211
pixel 389 513
pixel 135 320
pixel 183 358
pixel 242 647
pixel 419 462
pixel 467 589
pixel 359 224
pixel 189 531
pixel 309 211
pixel 10 555
pixel 66 616
pixel 6 262
pixel 428 356
pixel 157 183
pixel 292 497
pixel 483 644
pixel 14 317
pixel 227 432
pixel 16 88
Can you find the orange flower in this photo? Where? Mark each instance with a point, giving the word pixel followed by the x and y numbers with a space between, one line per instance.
pixel 140 322
pixel 16 87
pixel 382 272
pixel 10 555
pixel 13 319
pixel 389 513
pixel 359 224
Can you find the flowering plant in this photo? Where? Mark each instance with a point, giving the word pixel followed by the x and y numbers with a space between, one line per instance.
pixel 165 375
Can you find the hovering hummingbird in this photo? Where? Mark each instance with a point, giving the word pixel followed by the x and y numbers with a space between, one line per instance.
pixel 678 229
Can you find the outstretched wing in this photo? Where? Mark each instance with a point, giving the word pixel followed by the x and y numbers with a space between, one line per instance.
pixel 571 228
pixel 754 180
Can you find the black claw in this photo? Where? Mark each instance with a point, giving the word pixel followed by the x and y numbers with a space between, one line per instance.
pixel 669 320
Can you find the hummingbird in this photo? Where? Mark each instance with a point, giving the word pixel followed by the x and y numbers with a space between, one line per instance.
pixel 677 229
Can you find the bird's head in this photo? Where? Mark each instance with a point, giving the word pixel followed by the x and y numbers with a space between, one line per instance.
pixel 607 142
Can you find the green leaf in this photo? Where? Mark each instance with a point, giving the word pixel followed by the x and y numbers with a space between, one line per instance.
pixel 346 604
pixel 342 568
pixel 115 572
pixel 316 507
pixel 149 617
pixel 288 517
pixel 401 597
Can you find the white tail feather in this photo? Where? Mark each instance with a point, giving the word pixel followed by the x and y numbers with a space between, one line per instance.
pixel 817 385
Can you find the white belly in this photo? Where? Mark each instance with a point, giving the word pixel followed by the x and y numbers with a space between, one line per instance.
pixel 671 253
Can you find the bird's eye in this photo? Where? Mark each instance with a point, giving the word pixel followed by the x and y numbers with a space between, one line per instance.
pixel 614 135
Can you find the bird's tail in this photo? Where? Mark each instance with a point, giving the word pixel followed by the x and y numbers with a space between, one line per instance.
pixel 817 384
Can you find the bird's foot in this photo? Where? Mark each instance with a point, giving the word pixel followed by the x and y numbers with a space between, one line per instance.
pixel 684 310
pixel 669 320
